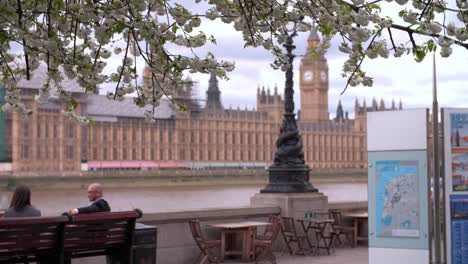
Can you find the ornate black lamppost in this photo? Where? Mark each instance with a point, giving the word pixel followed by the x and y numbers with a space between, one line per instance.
pixel 289 173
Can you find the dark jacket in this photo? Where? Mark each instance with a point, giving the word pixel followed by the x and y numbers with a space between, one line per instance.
pixel 97 206
pixel 28 211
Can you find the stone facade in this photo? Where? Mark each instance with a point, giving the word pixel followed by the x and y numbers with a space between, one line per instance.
pixel 120 137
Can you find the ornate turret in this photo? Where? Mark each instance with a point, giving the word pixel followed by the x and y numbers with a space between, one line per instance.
pixel 213 100
pixel 339 113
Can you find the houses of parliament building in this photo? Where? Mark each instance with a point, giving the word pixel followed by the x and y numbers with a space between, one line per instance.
pixel 210 136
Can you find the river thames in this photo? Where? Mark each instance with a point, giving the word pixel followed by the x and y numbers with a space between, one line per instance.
pixel 170 199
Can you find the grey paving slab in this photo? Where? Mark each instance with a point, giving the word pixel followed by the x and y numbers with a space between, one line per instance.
pixel 358 255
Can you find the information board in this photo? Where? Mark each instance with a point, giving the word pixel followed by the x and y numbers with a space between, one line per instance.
pixel 459 228
pixel 398 187
pixel 456 184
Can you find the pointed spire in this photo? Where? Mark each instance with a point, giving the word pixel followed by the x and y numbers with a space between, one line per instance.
pixel 213 100
pixel 374 104
pixel 393 104
pixel 263 95
pixel 313 40
pixel 400 106
pixel 339 113
pixel 276 89
pixel 382 104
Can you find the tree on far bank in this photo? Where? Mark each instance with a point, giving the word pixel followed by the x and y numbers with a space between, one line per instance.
pixel 76 39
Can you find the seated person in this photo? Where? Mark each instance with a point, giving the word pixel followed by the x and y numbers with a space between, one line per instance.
pixel 20 205
pixel 95 194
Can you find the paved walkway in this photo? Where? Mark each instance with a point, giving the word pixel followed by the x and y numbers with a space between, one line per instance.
pixel 357 255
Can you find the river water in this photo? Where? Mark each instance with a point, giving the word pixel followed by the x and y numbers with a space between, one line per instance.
pixel 170 199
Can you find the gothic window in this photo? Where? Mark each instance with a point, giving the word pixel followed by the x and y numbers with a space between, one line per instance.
pixel 200 155
pixel 24 152
pixel 47 130
pixel 105 153
pixel 114 134
pixel 25 129
pixel 47 152
pixel 104 134
pixel 38 152
pixel 69 152
pixel 171 137
pixel 161 138
pixel 152 154
pixel 124 135
pixel 55 132
pixel 38 129
pixel 134 157
pixel 95 153
pixel 192 155
pixel 169 154
pixel 55 152
pixel 161 154
pixel 70 130
pixel 143 138
pixel 143 154
pixel 134 134
pixel 124 154
pixel 181 155
pixel 182 137
pixel 114 154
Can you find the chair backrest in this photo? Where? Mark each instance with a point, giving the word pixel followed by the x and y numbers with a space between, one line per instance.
pixel 197 234
pixel 288 225
pixel 269 228
pixel 31 237
pixel 273 228
pixel 97 233
pixel 336 216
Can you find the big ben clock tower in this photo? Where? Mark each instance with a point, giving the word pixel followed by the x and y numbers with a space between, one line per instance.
pixel 313 83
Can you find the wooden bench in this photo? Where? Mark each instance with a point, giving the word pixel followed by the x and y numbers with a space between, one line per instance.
pixel 99 234
pixel 60 239
pixel 32 239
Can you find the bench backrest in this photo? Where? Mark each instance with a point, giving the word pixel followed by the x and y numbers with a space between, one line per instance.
pixel 100 233
pixel 31 238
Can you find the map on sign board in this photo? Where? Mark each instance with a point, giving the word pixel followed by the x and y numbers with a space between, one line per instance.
pixel 397 199
pixel 459 150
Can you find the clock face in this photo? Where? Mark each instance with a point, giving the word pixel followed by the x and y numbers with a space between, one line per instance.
pixel 308 76
pixel 323 75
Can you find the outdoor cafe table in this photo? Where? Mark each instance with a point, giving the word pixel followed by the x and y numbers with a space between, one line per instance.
pixel 248 230
pixel 357 219
pixel 320 227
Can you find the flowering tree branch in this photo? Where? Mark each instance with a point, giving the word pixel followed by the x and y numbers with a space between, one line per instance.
pixel 77 39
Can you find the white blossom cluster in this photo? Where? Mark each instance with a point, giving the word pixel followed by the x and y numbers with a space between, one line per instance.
pixel 77 39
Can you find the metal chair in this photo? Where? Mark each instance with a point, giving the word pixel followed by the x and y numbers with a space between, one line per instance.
pixel 207 247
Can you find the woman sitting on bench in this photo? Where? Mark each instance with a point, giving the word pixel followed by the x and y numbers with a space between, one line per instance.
pixel 20 205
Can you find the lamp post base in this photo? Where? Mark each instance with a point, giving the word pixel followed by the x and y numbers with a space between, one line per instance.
pixel 289 180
